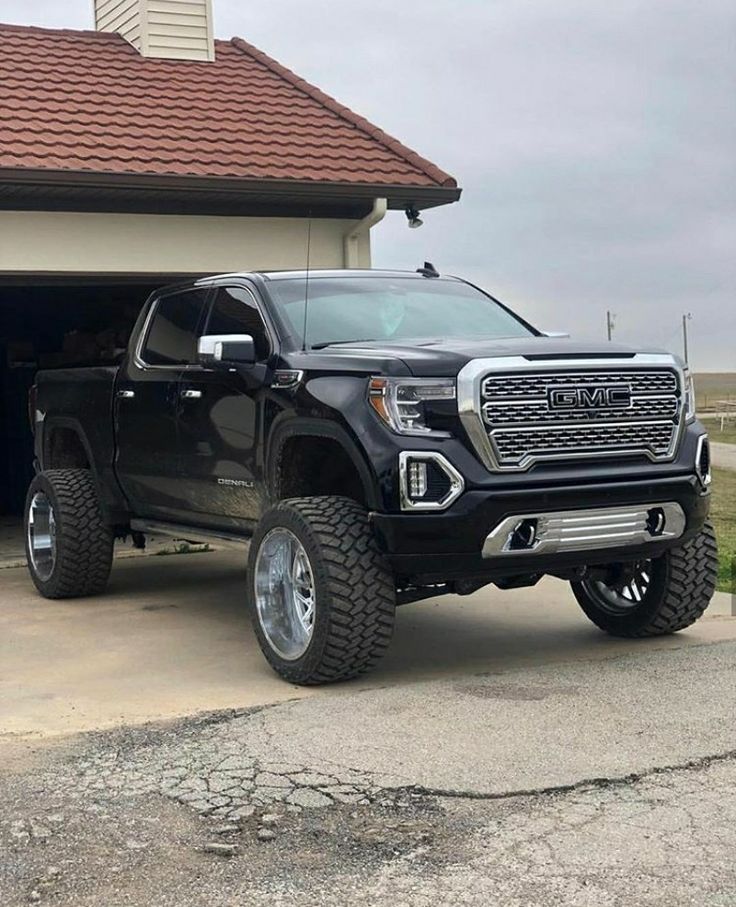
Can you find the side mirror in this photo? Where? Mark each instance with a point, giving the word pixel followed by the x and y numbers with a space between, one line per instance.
pixel 226 349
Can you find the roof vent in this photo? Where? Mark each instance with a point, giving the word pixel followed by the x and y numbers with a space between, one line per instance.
pixel 165 29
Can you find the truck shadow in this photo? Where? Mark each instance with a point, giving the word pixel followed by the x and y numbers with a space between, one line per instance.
pixel 490 631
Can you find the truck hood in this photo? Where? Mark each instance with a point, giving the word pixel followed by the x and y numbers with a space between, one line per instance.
pixel 445 358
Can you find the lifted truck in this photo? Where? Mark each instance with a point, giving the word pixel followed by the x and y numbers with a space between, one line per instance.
pixel 378 438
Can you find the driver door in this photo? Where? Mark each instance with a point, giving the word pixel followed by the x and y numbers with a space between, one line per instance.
pixel 219 423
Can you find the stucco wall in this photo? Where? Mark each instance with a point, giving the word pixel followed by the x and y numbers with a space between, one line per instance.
pixel 34 242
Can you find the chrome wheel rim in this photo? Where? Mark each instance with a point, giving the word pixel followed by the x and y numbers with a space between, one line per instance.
pixel 623 596
pixel 42 536
pixel 285 594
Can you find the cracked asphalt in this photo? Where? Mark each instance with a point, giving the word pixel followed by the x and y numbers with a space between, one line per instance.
pixel 602 776
pixel 594 783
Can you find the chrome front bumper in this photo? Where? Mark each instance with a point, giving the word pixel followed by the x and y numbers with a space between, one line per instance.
pixel 583 530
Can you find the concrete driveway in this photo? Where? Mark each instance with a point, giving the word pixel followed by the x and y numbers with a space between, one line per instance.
pixel 724 455
pixel 171 638
pixel 506 753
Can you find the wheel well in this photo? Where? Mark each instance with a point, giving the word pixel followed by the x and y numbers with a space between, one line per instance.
pixel 317 466
pixel 64 450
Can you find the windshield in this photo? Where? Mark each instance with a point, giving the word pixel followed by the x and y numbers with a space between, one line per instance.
pixel 390 309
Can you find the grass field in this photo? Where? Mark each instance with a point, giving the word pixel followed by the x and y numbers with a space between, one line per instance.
pixel 723 514
pixel 712 386
pixel 727 436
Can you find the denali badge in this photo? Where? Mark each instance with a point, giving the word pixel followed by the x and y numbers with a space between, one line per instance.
pixel 590 396
pixel 236 483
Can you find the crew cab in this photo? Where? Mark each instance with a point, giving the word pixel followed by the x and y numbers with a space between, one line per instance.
pixel 375 438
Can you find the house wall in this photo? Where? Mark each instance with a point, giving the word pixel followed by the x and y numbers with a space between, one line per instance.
pixel 123 16
pixel 37 242
pixel 171 29
pixel 179 29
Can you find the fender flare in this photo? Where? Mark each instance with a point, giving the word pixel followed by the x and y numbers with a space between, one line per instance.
pixel 66 422
pixel 111 497
pixel 317 428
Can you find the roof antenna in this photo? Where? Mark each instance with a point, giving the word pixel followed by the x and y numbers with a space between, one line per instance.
pixel 306 283
pixel 428 270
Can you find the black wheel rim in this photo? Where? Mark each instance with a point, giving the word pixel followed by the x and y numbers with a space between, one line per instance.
pixel 623 594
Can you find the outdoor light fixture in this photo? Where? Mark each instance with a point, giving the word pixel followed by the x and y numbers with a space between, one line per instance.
pixel 412 215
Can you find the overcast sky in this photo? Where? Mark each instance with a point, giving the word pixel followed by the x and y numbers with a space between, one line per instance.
pixel 595 143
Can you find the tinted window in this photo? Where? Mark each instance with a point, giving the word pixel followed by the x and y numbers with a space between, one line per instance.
pixel 391 309
pixel 234 312
pixel 172 337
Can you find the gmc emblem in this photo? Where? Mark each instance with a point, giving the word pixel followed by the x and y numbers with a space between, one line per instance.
pixel 590 396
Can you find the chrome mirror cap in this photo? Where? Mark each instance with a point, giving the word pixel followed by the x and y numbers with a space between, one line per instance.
pixel 214 348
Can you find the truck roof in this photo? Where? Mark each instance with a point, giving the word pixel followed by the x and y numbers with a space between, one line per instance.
pixel 320 272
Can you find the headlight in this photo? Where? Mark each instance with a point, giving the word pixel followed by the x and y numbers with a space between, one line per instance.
pixel 400 402
pixel 689 397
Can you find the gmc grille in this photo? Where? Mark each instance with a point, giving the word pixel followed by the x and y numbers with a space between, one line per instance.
pixel 592 412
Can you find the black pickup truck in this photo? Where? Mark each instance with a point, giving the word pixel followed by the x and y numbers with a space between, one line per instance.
pixel 377 438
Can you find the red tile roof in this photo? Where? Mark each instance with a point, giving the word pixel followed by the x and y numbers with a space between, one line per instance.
pixel 87 101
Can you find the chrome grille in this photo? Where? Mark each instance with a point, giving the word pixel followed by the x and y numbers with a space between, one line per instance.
pixel 645 383
pixel 502 412
pixel 513 445
pixel 537 414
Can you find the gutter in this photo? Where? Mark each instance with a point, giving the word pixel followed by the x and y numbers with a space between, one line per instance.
pixel 399 197
pixel 351 240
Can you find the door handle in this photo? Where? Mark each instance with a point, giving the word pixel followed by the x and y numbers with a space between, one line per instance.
pixel 190 394
pixel 125 395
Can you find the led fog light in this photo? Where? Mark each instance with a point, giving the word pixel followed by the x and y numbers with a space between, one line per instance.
pixel 417 479
pixel 428 481
pixel 702 461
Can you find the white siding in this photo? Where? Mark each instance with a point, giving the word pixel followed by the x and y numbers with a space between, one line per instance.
pixel 122 16
pixel 169 29
pixel 181 29
pixel 38 242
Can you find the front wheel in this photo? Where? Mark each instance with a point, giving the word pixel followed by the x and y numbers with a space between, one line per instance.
pixel 320 593
pixel 657 596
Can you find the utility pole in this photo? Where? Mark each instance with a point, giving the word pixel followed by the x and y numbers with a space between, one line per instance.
pixel 685 318
pixel 610 322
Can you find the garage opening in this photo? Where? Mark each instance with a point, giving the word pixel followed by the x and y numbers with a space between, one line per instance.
pixel 51 324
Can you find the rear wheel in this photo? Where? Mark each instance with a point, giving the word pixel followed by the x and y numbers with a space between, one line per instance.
pixel 68 545
pixel 657 596
pixel 320 593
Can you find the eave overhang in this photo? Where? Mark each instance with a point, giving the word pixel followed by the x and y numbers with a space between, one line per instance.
pixel 69 190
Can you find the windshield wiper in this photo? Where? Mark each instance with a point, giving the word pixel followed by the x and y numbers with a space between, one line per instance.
pixel 321 346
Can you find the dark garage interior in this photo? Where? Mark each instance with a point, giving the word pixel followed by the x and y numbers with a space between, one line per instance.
pixel 55 324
